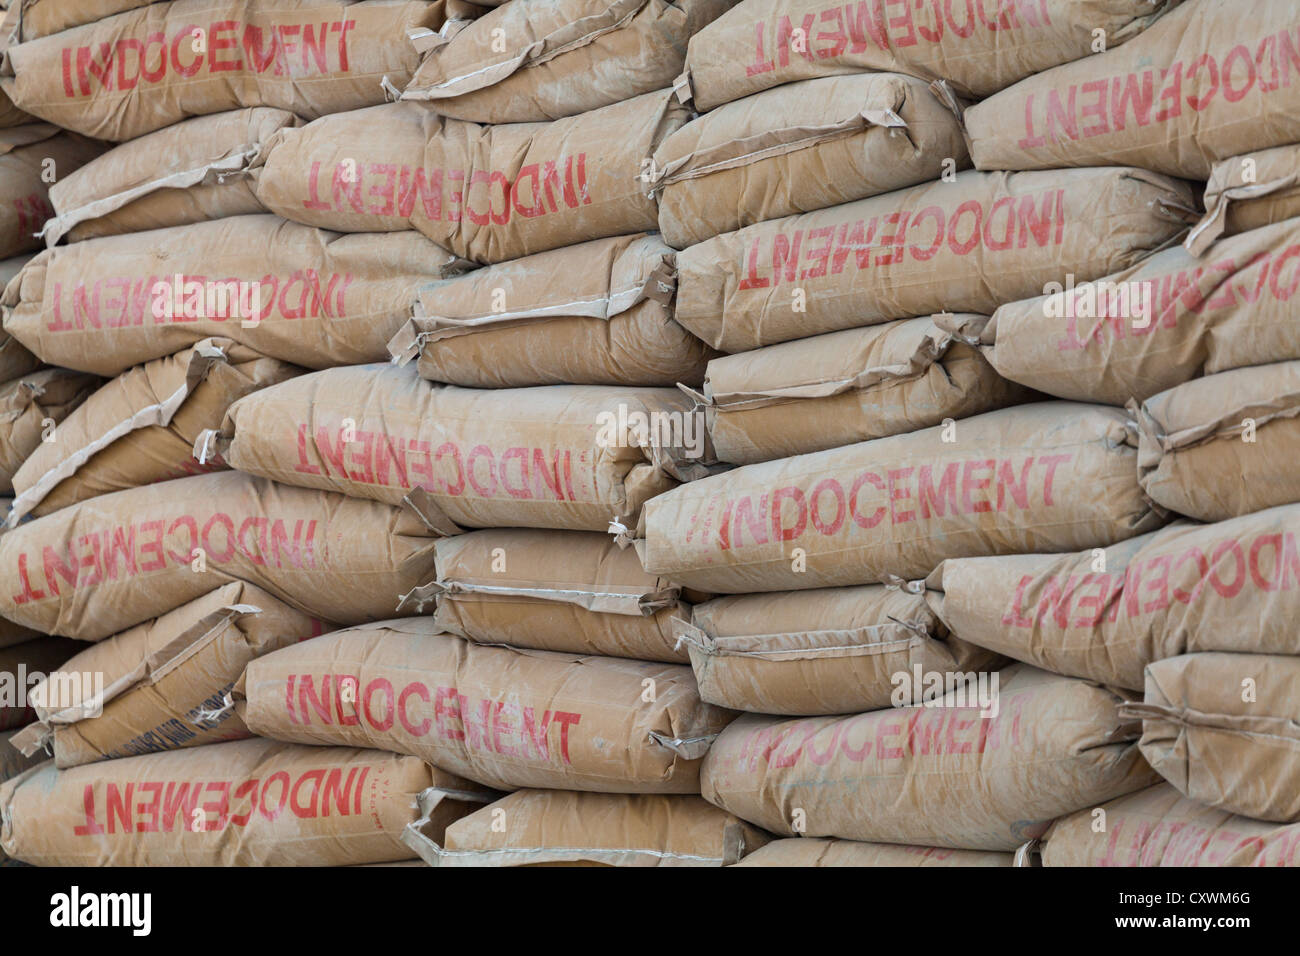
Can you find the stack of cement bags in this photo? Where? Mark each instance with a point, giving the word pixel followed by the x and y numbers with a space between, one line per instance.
pixel 637 433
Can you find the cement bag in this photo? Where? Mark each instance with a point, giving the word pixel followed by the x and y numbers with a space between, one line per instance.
pixel 571 591
pixel 15 361
pixel 141 426
pixel 192 171
pixel 148 68
pixel 803 852
pixel 29 156
pixel 801 147
pixel 30 409
pixel 488 193
pixel 507 718
pixel 11 633
pixel 1208 81
pixel 100 566
pixel 529 62
pixel 1223 729
pixel 598 313
pixel 12 763
pixel 1104 615
pixel 242 803
pixel 32 19
pixel 564 828
pixel 992 237
pixel 823 651
pixel 22 667
pixel 849 386
pixel 1248 192
pixel 300 295
pixel 1160 827
pixel 161 685
pixel 1041 477
pixel 565 456
pixel 10 268
pixel 977 47
pixel 1223 445
pixel 939 774
pixel 1157 324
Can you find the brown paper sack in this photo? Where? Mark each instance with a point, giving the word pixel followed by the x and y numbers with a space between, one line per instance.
pixel 242 803
pixel 812 852
pixel 31 408
pixel 20 661
pixel 1247 192
pixel 1105 614
pixel 529 62
pixel 507 718
pixel 139 71
pixel 320 299
pixel 850 386
pixel 597 313
pixel 801 147
pixel 976 46
pixel 1208 81
pixel 1224 730
pixel 191 171
pixel 823 651
pixel 1160 827
pixel 566 828
pixel 576 592
pixel 570 457
pixel 488 193
pixel 1043 477
pixel 141 426
pixel 164 682
pixel 31 158
pixel 1159 323
pixel 33 19
pixel 992 237
pixel 100 566
pixel 938 775
pixel 1224 445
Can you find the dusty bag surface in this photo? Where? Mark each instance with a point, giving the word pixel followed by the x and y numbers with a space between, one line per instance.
pixel 849 386
pixel 822 651
pixel 1223 729
pixel 32 19
pixel 29 156
pixel 31 408
pixel 164 681
pixel 1158 826
pixel 191 171
pixel 576 592
pixel 1159 323
pixel 1021 479
pixel 941 776
pixel 1247 192
pixel 141 426
pixel 562 827
pixel 1231 586
pixel 1226 310
pixel 1205 82
pixel 1223 445
pixel 148 68
pixel 100 566
pixel 597 313
pixel 993 237
pixel 242 803
pixel 31 658
pixel 529 62
pixel 561 456
pixel 976 47
pixel 488 193
pixel 801 147
pixel 507 718
pixel 814 852
pixel 320 298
